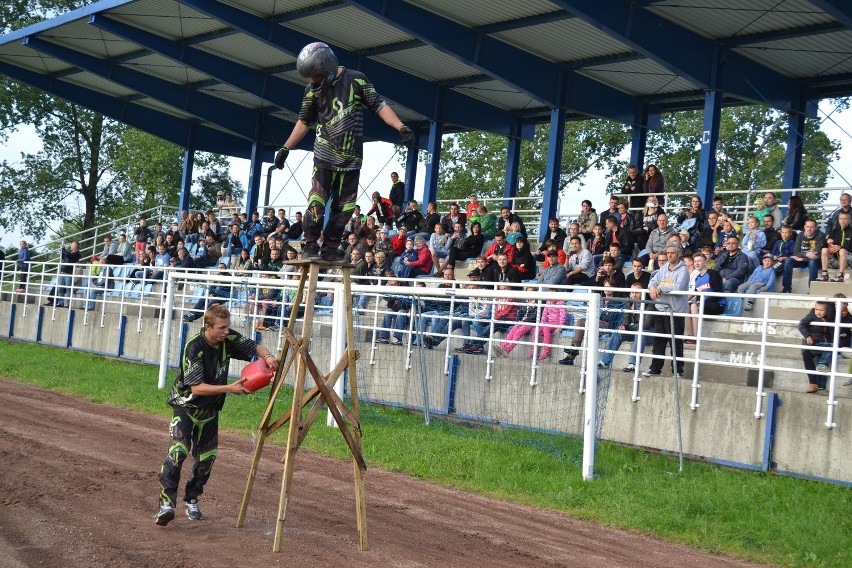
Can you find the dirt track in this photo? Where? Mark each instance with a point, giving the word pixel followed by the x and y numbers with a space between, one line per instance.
pixel 79 486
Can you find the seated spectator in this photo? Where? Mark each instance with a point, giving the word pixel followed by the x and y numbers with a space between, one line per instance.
pixel 507 217
pixel 524 262
pixel 640 323
pixel 550 245
pixel 612 314
pixel 420 264
pixel 527 316
pixel 294 231
pixel 586 220
pixel 476 324
pixel 639 274
pixel 658 239
pixel 110 249
pixel 499 246
pixel 806 252
pixel 439 244
pixel 703 279
pixel 573 231
pixel 502 271
pixel 555 274
pixel 412 219
pixel 514 233
pixel 213 254
pixel 732 264
pixel 838 245
pixel 607 271
pixel 398 241
pixel 580 265
pixel 269 223
pixel 554 233
pixel 648 222
pixel 185 260
pixel 253 227
pixel 469 247
pixel 596 244
pixel 762 279
pixel 815 328
pixel 797 215
pixel 754 240
pixel 125 249
pixel 352 242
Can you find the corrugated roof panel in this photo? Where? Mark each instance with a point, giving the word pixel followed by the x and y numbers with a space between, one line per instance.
pixel 351 29
pixel 237 96
pixel 162 107
pixel 724 18
pixel 246 50
pixel 473 13
pixel 98 83
pixel 428 63
pixel 639 78
pixel 28 58
pixel 165 68
pixel 82 37
pixel 166 18
pixel 262 8
pixel 498 94
pixel 805 57
pixel 563 41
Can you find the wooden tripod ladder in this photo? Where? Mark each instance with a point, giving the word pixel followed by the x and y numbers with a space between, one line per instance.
pixel 296 350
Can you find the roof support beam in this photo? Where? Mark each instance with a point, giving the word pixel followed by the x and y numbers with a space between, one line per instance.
pixel 277 91
pixel 786 33
pixel 166 126
pixel 535 20
pixel 415 93
pixel 206 107
pixel 531 75
pixel 840 10
pixel 682 51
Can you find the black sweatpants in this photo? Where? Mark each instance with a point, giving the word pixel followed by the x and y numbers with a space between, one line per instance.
pixel 196 431
pixel 340 188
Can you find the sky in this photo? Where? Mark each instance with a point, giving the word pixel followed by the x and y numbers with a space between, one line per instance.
pixel 290 186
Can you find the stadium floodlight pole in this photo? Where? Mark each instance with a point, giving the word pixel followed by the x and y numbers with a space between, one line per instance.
pixel 167 329
pixel 590 424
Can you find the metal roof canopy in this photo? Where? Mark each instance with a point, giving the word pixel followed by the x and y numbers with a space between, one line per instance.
pixel 218 75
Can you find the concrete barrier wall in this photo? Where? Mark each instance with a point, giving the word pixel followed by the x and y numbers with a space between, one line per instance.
pixel 723 428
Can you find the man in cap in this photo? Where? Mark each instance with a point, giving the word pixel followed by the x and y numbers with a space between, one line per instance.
pixel 334 100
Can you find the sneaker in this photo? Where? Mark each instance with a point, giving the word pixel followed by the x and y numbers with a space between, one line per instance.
pixel 192 510
pixel 395 341
pixel 839 278
pixel 651 373
pixel 475 350
pixel 165 514
pixel 332 255
pixel 260 327
pixel 310 252
pixel 678 375
pixel 822 367
pixel 748 306
pixel 630 368
pixel 602 365
pixel 812 388
pixel 823 277
pixel 381 340
pixel 689 342
pixel 463 348
pixel 567 360
pixel 274 328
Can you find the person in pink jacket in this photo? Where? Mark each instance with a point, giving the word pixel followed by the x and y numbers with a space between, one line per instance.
pixel 552 318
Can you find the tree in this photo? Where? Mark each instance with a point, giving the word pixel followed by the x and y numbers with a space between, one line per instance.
pixel 750 154
pixel 91 169
pixel 475 162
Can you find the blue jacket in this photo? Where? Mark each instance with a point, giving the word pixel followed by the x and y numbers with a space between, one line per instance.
pixel 766 276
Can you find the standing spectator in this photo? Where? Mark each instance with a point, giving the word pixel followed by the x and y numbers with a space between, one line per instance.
pixel 761 280
pixel 632 186
pixel 397 192
pixel 472 208
pixel 797 215
pixel 806 252
pixel 382 208
pixel 23 265
pixel 838 245
pixel 673 276
pixel 816 328
pixel 70 257
pixel 654 183
pixel 142 234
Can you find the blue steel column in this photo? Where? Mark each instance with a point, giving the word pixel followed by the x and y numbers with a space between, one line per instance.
pixel 430 186
pixel 410 177
pixel 513 162
pixel 186 179
pixel 795 139
pixel 639 141
pixel 553 171
pixel 255 169
pixel 709 142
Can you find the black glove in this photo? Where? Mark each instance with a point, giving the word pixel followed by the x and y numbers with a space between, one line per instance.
pixel 406 133
pixel 281 157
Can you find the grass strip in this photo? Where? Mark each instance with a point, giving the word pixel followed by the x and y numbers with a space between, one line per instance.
pixel 762 517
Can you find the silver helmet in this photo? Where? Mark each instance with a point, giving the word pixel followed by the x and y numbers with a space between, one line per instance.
pixel 317 59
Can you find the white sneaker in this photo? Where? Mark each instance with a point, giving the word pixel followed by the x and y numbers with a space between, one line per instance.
pixel 651 373
pixel 630 368
pixel 165 514
pixel 192 510
pixel 822 367
pixel 602 365
pixel 395 341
